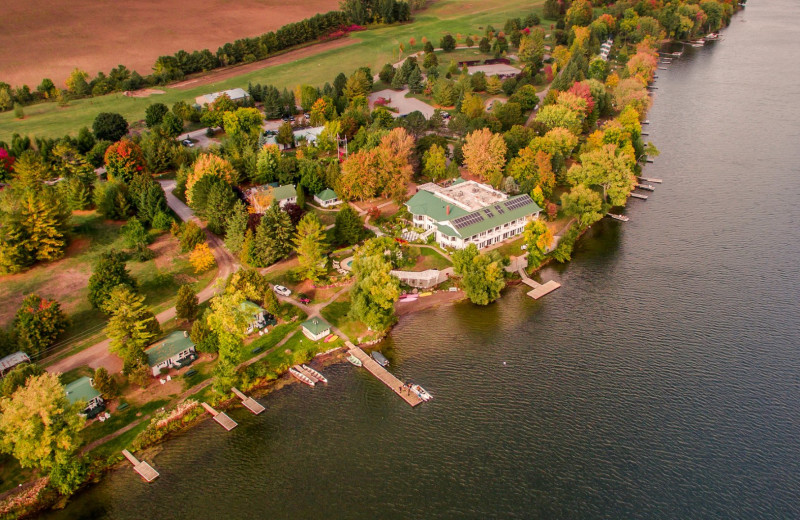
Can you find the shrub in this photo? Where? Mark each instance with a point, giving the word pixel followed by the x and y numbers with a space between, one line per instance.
pixel 191 235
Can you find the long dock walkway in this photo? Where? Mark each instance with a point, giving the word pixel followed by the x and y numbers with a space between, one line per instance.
pixel 383 375
pixel 248 402
pixel 539 289
pixel 221 417
pixel 141 467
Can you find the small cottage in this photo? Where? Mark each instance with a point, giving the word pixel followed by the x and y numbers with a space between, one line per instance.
pixel 316 328
pixel 83 390
pixel 10 361
pixel 174 351
pixel 256 316
pixel 327 198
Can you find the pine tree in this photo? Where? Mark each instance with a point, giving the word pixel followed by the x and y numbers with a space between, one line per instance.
pixel 132 326
pixel 348 228
pixel 310 247
pixel 109 272
pixel 219 206
pixel 186 306
pixel 104 383
pixel 301 197
pixel 236 228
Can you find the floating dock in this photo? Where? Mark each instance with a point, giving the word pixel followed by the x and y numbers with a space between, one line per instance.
pixel 539 289
pixel 639 196
pixel 651 179
pixel 645 187
pixel 144 469
pixel 384 375
pixel 662 68
pixel 248 402
pixel 221 418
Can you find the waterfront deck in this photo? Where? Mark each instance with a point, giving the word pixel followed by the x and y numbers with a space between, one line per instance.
pixel 539 289
pixel 141 467
pixel 639 196
pixel 248 402
pixel 384 375
pixel 651 179
pixel 221 418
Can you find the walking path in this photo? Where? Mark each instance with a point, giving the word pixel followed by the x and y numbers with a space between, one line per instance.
pixel 98 354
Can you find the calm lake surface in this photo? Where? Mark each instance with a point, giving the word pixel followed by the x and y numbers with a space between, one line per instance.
pixel 661 381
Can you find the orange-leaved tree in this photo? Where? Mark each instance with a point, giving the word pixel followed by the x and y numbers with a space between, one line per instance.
pixel 123 159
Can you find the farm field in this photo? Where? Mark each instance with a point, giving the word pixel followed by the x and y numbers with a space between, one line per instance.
pixel 373 48
pixel 47 39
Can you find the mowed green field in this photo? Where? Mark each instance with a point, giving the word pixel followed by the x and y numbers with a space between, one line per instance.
pixel 375 47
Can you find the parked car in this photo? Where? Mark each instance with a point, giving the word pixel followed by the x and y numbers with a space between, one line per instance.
pixel 187 143
pixel 283 291
pixel 304 298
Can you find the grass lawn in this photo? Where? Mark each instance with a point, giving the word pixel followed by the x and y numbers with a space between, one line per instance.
pixel 202 372
pixel 11 473
pixel 471 54
pixel 513 248
pixel 269 340
pixel 326 217
pixel 428 258
pixel 113 448
pixel 336 314
pixel 67 280
pixel 299 349
pixel 119 419
pixel 375 47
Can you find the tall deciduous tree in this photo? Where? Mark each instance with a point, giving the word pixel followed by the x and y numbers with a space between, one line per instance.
pixel 605 168
pixel 375 291
pixel 123 160
pixel 435 163
pixel 538 238
pixel 209 164
pixel 41 429
pixel 482 275
pixel 310 247
pixel 109 126
pixel 485 155
pixel 584 203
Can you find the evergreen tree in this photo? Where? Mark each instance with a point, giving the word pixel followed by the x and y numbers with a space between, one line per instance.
pixel 348 228
pixel 39 322
pixel 109 272
pixel 310 247
pixel 236 228
pixel 221 200
pixel 187 304
pixel 132 326
pixel 104 383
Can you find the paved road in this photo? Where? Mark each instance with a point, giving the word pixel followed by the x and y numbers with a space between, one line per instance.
pixel 98 355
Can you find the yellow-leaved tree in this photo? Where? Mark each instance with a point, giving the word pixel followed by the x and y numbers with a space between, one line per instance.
pixel 202 259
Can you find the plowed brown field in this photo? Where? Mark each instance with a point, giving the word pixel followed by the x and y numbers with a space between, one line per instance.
pixel 49 38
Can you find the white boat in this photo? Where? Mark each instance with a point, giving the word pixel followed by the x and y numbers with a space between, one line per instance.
pixel 621 218
pixel 712 36
pixel 316 374
pixel 354 360
pixel 421 392
pixel 301 377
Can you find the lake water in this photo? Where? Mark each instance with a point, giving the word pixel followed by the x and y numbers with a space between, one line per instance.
pixel 661 381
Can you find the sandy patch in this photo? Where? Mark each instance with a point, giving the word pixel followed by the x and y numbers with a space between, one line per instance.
pixel 166 248
pixel 147 92
pixel 438 298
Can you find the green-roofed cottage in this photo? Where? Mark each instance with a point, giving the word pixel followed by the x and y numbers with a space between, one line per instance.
pixel 468 212
pixel 82 390
pixel 327 198
pixel 256 316
pixel 176 350
pixel 316 328
pixel 282 194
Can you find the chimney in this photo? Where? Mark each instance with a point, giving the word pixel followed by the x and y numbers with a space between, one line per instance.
pixel 448 209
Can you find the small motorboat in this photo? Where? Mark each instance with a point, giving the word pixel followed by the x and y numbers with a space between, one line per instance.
pixel 354 360
pixel 301 377
pixel 421 392
pixel 380 358
pixel 316 374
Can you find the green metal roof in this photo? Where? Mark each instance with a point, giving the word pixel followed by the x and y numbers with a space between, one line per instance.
pixel 171 345
pixel 326 195
pixel 494 215
pixel 81 390
pixel 426 203
pixel 284 192
pixel 446 230
pixel 250 308
pixel 316 326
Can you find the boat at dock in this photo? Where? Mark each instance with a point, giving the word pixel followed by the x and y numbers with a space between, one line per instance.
pixel 647 187
pixel 621 218
pixel 379 358
pixel 316 374
pixel 354 360
pixel 421 392
pixel 301 377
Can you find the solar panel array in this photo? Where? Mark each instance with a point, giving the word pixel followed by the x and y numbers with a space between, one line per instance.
pixel 468 220
pixel 519 202
pixel 499 209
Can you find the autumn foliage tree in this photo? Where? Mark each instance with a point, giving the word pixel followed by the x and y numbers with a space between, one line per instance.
pixel 485 155
pixel 201 258
pixel 123 160
pixel 538 238
pixel 38 323
pixel 209 164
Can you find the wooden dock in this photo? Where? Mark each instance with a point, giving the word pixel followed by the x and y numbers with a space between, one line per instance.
pixel 639 196
pixel 539 289
pixel 248 402
pixel 650 179
pixel 645 187
pixel 384 375
pixel 144 469
pixel 221 418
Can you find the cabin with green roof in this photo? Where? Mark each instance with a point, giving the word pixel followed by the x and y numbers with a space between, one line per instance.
pixel 256 316
pixel 468 212
pixel 82 390
pixel 327 198
pixel 316 328
pixel 174 351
